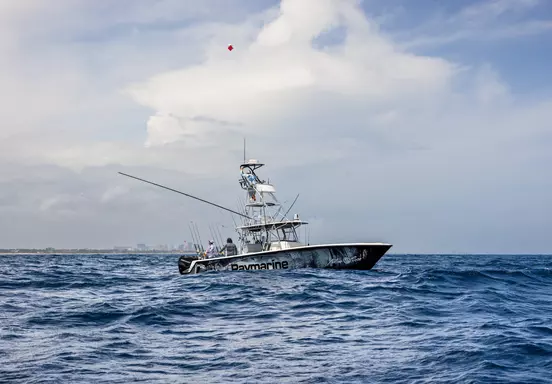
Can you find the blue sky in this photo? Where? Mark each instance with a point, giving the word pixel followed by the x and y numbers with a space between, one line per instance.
pixel 438 111
pixel 514 36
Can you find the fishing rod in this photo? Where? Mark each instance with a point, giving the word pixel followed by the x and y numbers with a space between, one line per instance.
pixel 218 235
pixel 198 236
pixel 294 201
pixel 192 234
pixel 195 241
pixel 215 236
pixel 185 194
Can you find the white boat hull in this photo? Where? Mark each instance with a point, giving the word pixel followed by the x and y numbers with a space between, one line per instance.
pixel 362 256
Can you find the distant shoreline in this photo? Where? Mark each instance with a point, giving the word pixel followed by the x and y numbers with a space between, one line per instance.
pixel 97 252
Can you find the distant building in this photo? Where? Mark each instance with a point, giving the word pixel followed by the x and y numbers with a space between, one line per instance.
pixel 142 247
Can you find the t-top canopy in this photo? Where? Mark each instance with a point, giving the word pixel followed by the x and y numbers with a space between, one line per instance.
pixel 252 163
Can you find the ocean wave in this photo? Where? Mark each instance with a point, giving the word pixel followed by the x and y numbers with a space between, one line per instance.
pixel 414 318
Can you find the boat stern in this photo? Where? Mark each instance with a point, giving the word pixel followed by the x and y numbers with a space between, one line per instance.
pixel 184 263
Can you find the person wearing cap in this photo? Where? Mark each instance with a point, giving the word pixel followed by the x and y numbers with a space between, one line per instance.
pixel 210 250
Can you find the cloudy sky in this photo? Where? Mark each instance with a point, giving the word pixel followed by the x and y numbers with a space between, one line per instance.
pixel 425 124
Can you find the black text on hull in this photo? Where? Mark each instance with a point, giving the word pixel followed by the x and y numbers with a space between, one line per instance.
pixel 362 256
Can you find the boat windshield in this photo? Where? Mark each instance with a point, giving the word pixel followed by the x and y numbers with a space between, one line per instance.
pixel 287 234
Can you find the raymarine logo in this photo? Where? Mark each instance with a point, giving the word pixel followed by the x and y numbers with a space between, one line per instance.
pixel 269 265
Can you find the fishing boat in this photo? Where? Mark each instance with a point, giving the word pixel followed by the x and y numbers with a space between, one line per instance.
pixel 269 240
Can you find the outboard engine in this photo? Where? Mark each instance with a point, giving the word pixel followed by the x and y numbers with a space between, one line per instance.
pixel 184 263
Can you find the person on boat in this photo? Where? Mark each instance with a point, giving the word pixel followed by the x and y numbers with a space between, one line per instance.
pixel 248 175
pixel 230 248
pixel 210 250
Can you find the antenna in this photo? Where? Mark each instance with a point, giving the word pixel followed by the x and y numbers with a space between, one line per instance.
pixel 244 150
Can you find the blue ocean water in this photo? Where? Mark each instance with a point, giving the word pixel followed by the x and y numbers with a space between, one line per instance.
pixel 414 319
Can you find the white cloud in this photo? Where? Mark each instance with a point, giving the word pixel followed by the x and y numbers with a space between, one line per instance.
pixel 484 11
pixel 280 71
pixel 114 193
pixel 382 143
pixel 480 22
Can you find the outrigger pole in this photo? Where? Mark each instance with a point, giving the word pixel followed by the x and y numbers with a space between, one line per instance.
pixel 185 194
pixel 289 209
